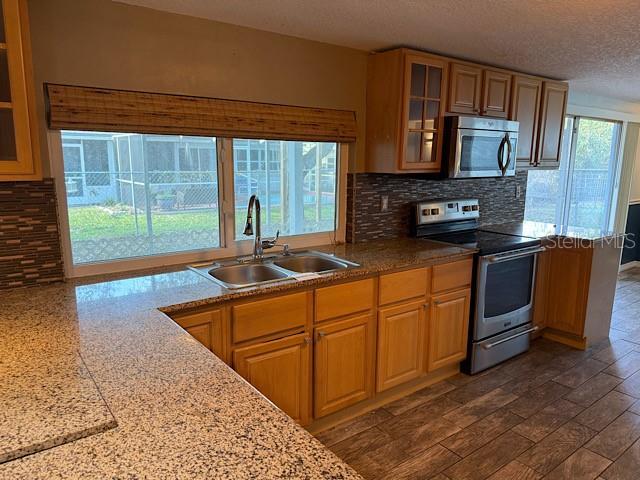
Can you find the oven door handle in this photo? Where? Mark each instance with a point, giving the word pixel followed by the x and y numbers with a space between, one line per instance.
pixel 488 346
pixel 506 257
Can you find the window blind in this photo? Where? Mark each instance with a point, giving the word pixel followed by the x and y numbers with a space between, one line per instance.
pixel 100 109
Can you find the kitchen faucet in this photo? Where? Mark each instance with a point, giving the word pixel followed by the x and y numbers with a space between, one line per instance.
pixel 259 245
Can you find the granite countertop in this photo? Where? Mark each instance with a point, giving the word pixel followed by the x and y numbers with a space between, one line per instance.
pixel 100 383
pixel 550 230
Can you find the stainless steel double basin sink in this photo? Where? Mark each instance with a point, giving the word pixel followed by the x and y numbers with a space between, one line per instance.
pixel 238 274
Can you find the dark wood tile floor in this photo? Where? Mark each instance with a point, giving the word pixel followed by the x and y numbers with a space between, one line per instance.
pixel 553 412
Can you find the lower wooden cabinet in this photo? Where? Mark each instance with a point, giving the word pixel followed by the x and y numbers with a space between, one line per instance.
pixel 401 344
pixel 207 328
pixel 344 362
pixel 448 328
pixel 281 371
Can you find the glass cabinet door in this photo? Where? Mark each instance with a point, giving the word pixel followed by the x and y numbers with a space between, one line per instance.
pixel 16 148
pixel 424 114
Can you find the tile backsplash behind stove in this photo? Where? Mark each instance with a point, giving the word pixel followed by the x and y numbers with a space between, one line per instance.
pixel 499 202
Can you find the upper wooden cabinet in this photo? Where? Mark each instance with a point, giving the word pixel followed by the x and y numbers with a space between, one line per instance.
pixel 465 89
pixel 19 146
pixel 552 112
pixel 477 91
pixel 525 108
pixel 406 93
pixel 496 94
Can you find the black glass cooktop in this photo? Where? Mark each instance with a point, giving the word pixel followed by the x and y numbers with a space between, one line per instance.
pixel 487 243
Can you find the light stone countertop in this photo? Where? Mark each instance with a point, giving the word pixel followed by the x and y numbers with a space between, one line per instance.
pixel 94 367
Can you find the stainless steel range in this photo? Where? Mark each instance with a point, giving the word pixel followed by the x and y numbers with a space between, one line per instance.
pixel 504 279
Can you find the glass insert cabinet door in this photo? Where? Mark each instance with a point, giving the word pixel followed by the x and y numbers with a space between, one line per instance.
pixel 16 149
pixel 424 93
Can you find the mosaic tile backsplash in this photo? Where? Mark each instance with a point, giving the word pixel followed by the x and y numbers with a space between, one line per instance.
pixel 29 242
pixel 501 201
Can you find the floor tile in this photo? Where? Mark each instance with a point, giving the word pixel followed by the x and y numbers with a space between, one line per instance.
pixel 515 471
pixel 615 351
pixel 547 420
pixel 480 407
pixel 481 432
pixel 582 465
pixel 417 417
pixel 605 410
pixel 631 386
pixel 536 399
pixel 418 398
pixel 490 458
pixel 582 372
pixel 425 465
pixel 481 386
pixel 557 447
pixel 593 389
pixel 626 467
pixel 352 427
pixel 626 366
pixel 635 408
pixel 617 437
pixel 356 445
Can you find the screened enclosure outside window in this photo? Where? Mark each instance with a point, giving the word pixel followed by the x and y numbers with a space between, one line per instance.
pixel 133 195
pixel 580 194
pixel 295 182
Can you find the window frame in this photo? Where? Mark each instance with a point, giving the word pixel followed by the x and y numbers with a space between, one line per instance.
pixel 229 247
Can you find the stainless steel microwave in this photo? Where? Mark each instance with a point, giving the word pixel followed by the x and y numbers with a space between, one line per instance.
pixel 481 146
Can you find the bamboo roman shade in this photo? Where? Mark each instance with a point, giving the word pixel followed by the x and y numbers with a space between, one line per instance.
pixel 99 109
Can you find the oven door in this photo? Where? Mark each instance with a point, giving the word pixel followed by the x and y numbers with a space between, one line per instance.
pixel 483 153
pixel 504 291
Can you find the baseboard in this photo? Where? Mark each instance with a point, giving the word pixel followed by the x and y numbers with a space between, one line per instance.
pixel 565 338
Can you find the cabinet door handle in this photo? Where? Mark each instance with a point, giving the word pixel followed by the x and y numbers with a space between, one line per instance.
pixel 321 334
pixel 307 340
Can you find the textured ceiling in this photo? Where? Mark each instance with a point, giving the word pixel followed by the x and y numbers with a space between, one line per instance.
pixel 595 44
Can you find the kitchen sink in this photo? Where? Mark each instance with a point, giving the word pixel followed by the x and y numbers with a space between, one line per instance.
pixel 241 273
pixel 244 275
pixel 305 263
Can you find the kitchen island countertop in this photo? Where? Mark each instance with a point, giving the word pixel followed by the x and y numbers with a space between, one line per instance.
pixel 178 411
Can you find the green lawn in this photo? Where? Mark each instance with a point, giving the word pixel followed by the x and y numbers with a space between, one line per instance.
pixel 95 223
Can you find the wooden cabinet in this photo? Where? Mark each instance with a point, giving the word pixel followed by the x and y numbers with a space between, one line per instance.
pixel 344 299
pixel 496 94
pixel 19 145
pixel 401 344
pixel 525 108
pixel 448 328
pixel 406 92
pixel 566 309
pixel 208 328
pixel 343 363
pixel 540 296
pixel 552 112
pixel 281 371
pixel 474 91
pixel 465 89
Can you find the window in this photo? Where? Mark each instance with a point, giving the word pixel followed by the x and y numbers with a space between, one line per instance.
pixel 132 195
pixel 127 197
pixel 295 182
pixel 581 193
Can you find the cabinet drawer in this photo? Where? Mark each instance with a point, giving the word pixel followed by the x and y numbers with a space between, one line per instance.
pixel 452 275
pixel 344 299
pixel 395 287
pixel 266 317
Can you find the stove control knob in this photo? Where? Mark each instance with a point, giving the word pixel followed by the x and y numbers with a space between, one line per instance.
pixel 475 208
pixel 466 208
pixel 435 211
pixel 426 212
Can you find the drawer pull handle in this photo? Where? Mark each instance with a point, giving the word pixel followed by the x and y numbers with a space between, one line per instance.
pixel 491 345
pixel 307 340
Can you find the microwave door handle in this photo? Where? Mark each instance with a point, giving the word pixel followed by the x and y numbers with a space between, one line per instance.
pixel 500 155
pixel 509 151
